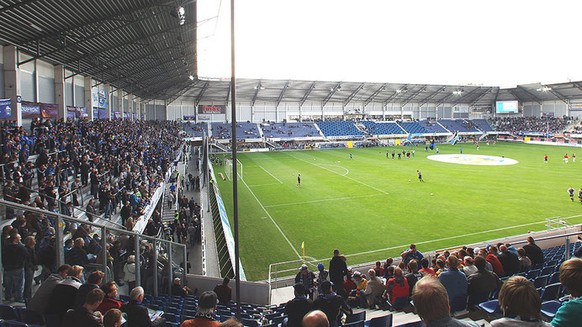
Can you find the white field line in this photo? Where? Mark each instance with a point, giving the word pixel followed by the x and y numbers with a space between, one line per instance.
pixel 272 220
pixel 453 237
pixel 266 171
pixel 267 184
pixel 352 179
pixel 323 200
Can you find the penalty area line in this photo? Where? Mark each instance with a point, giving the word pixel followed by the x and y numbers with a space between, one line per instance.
pixel 272 220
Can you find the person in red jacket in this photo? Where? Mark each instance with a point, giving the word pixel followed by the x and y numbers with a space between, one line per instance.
pixel 495 263
pixel 398 290
pixel 109 301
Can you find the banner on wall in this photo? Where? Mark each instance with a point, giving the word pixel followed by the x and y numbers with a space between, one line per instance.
pixel 49 110
pixel 211 109
pixel 189 117
pixel 99 97
pixel 30 109
pixel 70 112
pixel 116 115
pixel 102 113
pixel 5 108
pixel 203 118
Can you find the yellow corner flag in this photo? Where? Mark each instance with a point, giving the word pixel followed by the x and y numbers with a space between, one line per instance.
pixel 302 249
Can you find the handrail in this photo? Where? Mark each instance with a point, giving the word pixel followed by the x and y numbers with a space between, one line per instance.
pixel 137 236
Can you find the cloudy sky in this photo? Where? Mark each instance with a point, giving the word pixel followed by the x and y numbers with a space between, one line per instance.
pixel 494 43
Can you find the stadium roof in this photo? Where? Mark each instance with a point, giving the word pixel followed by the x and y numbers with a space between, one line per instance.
pixel 294 91
pixel 146 47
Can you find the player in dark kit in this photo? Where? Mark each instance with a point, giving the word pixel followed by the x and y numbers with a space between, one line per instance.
pixel 419 176
pixel 298 179
pixel 571 193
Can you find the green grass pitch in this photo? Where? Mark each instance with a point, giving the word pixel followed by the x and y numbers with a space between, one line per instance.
pixel 371 207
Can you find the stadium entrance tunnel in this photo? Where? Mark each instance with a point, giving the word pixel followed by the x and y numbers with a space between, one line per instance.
pixel 473 159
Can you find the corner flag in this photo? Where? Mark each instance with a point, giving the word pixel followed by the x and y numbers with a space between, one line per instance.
pixel 302 249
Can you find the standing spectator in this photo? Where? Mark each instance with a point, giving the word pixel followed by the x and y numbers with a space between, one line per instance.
pixel 455 282
pixel 533 251
pixel 337 270
pixel 13 260
pixel 307 278
pixel 520 303
pixel 29 266
pixel 298 307
pixel 570 313
pixel 223 291
pixel 321 276
pixel 204 314
pixel 432 304
pixel 129 272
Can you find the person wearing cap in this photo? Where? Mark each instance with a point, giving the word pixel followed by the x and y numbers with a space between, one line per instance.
pixel 307 279
pixel 204 315
pixel 321 276
pixel 331 304
pixel 298 306
pixel 137 314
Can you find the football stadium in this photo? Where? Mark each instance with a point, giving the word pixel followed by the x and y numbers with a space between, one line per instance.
pixel 267 164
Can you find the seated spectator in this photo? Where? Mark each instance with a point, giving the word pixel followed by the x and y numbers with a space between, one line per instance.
pixel 110 300
pixel 397 290
pixel 298 307
pixel 426 269
pixel 204 315
pixel 411 253
pixel 533 252
pixel 524 261
pixel 374 289
pixel 86 315
pixel 137 314
pixel 65 293
pixel 224 292
pixel 413 274
pixel 94 281
pixel 41 297
pixel 112 318
pixel 482 283
pixel 520 303
pixel 357 295
pixel 179 290
pixel 316 318
pixel 331 304
pixel 432 304
pixel 455 282
pixel 570 313
pixel 494 261
pixel 509 261
pixel 469 267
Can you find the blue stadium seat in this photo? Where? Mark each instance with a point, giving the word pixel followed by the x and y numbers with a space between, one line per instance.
pixel 356 316
pixel 540 281
pixel 549 308
pixel 383 321
pixel 30 317
pixel 551 292
pixel 554 278
pixel 490 307
pixel 359 323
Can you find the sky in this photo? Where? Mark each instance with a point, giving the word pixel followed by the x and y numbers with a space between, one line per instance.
pixel 493 43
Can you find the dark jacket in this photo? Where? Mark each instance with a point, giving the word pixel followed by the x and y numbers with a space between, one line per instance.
pixel 137 316
pixel 82 293
pixel 296 309
pixel 81 317
pixel 63 297
pixel 332 305
pixel 337 271
pixel 13 256
pixel 534 253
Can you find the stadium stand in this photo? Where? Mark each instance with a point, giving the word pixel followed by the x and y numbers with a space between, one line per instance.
pixel 413 127
pixel 432 126
pixel 223 131
pixel 382 128
pixel 286 131
pixel 333 129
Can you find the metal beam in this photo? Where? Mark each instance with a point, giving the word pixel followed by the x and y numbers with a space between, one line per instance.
pixel 430 96
pixel 16 5
pixel 375 94
pixel 481 96
pixel 417 92
pixel 281 94
pixel 512 91
pixel 464 96
pixel 443 100
pixel 336 88
pixel 201 94
pixel 535 97
pixel 560 96
pixel 256 94
pixel 349 99
pixel 306 95
pixel 392 97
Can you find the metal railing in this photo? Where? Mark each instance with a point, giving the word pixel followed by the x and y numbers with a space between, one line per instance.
pixel 163 253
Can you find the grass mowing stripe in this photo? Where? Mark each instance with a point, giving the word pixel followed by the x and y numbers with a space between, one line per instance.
pixel 322 200
pixel 272 220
